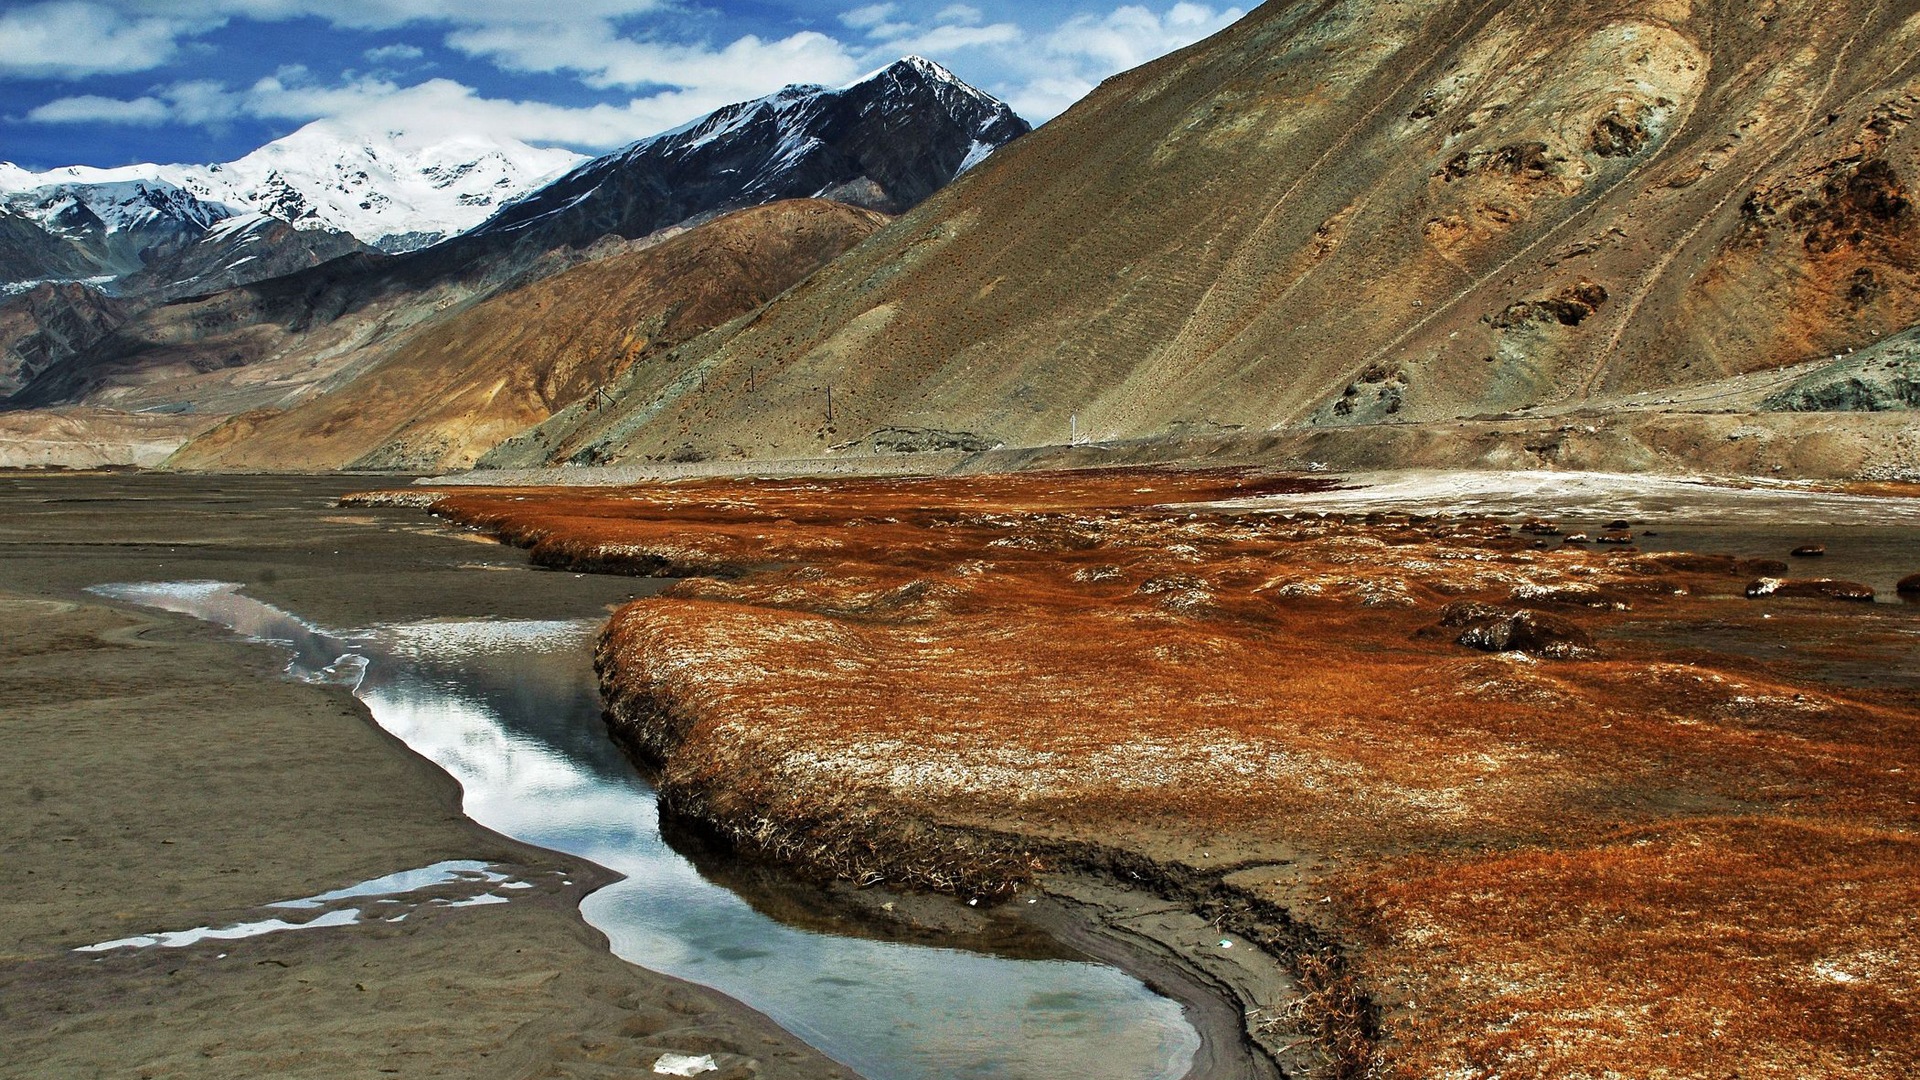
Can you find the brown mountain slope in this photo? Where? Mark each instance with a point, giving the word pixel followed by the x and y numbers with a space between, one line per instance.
pixel 1340 212
pixel 471 380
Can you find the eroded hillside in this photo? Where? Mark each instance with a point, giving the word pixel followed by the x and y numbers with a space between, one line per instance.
pixel 1340 213
pixel 485 372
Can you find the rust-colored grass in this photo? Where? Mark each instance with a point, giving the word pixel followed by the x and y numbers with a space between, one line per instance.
pixel 1637 864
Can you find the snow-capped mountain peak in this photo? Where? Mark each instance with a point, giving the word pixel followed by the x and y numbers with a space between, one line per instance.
pixel 884 141
pixel 931 70
pixel 111 206
pixel 391 189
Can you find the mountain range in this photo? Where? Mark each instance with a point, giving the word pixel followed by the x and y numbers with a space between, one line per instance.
pixel 390 190
pixel 1638 235
pixel 219 341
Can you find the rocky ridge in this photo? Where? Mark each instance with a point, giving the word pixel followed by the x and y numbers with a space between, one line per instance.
pixel 884 142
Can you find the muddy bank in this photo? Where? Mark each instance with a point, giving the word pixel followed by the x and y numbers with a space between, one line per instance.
pixel 1436 767
pixel 169 777
pixel 1633 437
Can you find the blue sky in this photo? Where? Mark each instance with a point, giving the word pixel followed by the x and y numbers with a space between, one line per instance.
pixel 113 82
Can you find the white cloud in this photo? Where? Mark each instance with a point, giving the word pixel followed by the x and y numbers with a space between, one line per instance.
pixel 862 18
pixel 1045 97
pixel 944 40
pixel 1067 63
pixel 954 28
pixel 1040 71
pixel 71 40
pixel 386 14
pixel 432 109
pixel 746 67
pixel 393 54
pixel 94 109
pixel 440 107
pixel 1129 36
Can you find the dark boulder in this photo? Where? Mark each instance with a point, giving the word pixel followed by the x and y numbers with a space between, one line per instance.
pixel 1909 585
pixel 1805 551
pixel 1493 629
pixel 1809 589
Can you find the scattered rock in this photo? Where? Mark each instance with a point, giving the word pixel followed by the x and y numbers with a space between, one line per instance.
pixel 1540 528
pixel 1909 585
pixel 1616 536
pixel 1568 307
pixel 1809 589
pixel 900 440
pixel 1527 161
pixel 1578 538
pixel 1883 377
pixel 1806 551
pixel 1492 629
pixel 1578 594
pixel 1618 134
pixel 1619 523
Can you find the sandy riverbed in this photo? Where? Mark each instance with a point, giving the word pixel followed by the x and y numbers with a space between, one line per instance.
pixel 165 777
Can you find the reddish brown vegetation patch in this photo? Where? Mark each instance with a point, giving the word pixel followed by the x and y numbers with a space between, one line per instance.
pixel 1624 861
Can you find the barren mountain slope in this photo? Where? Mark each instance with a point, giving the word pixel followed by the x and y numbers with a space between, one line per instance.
pixel 1342 211
pixel 46 320
pixel 484 373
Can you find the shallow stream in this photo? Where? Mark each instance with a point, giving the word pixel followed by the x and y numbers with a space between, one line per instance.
pixel 510 710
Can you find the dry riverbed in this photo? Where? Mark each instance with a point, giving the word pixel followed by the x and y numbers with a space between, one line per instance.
pixel 162 777
pixel 1456 776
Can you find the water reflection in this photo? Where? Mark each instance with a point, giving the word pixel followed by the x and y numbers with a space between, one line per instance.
pixel 510 710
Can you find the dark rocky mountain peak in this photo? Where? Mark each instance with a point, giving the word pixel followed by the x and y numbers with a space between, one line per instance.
pixel 885 142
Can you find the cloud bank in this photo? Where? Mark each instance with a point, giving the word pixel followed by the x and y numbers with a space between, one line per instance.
pixel 647 80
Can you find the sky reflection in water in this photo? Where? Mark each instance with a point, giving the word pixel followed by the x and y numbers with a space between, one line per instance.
pixel 510 710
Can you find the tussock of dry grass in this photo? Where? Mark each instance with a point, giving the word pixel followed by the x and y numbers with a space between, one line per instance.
pixel 1636 864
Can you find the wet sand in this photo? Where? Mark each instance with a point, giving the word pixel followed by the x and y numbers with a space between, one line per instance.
pixel 164 777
